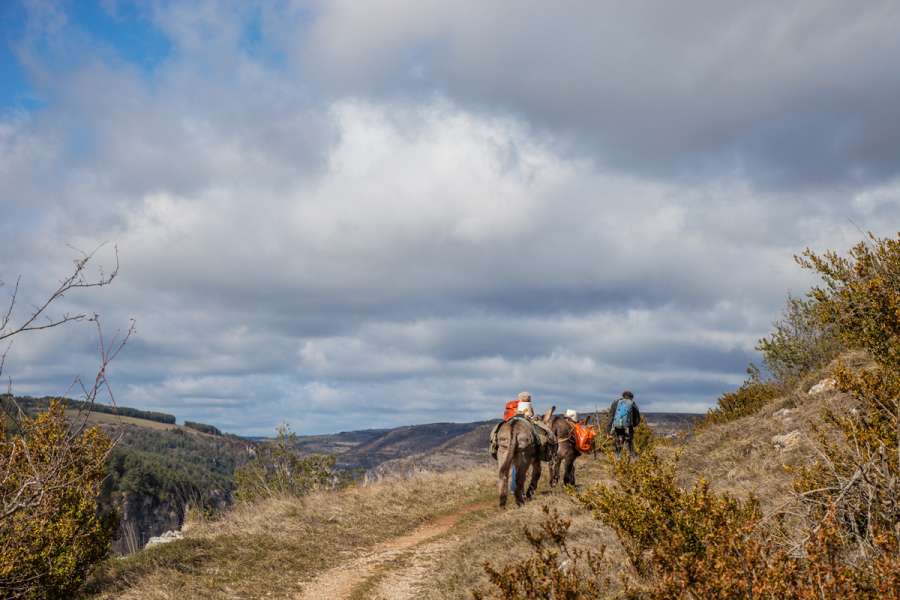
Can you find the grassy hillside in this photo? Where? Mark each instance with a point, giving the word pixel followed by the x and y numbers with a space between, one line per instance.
pixel 429 535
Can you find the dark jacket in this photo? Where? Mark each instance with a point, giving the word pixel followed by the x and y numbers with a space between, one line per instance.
pixel 635 415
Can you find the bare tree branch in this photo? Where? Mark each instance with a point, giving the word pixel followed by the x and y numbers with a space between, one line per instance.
pixel 76 280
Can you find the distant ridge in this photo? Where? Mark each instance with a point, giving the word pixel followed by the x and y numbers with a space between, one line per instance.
pixel 31 405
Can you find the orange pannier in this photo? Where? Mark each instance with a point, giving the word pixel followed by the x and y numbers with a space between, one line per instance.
pixel 510 410
pixel 584 437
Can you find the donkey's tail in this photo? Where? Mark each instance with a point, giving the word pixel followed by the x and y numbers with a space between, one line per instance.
pixel 510 451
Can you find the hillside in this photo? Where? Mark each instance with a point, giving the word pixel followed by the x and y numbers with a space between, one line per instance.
pixel 416 535
pixel 158 470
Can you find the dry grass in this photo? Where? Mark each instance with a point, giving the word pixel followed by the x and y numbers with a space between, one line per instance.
pixel 740 458
pixel 271 548
pixel 100 418
pixel 496 536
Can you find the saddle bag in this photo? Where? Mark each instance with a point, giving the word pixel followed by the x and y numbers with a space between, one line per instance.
pixel 510 410
pixel 584 437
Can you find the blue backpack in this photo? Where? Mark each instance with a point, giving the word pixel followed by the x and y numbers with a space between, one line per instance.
pixel 622 418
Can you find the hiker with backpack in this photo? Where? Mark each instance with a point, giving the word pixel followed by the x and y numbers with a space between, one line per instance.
pixel 621 420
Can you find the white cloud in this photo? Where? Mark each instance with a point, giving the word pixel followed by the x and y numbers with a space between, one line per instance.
pixel 336 247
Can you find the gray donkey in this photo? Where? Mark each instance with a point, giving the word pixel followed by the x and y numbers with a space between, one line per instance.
pixel 567 451
pixel 518 446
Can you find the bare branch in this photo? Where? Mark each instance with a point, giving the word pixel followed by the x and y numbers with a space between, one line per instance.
pixel 75 280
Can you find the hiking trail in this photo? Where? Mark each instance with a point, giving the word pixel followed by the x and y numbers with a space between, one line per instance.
pixel 392 569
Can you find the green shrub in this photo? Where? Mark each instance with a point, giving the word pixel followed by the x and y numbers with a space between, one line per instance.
pixel 856 482
pixel 278 470
pixel 696 543
pixel 51 533
pixel 746 400
pixel 800 344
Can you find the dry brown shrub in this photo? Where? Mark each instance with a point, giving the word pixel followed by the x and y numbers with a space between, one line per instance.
pixel 554 570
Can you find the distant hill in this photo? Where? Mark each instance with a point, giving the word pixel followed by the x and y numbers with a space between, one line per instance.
pixel 436 447
pixel 32 405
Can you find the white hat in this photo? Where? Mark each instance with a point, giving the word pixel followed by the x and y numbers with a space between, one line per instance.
pixel 523 407
pixel 524 397
pixel 571 414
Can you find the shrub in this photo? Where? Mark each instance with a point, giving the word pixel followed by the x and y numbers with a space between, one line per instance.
pixel 644 438
pixel 696 543
pixel 554 570
pixel 746 400
pixel 800 344
pixel 677 539
pixel 856 482
pixel 50 530
pixel 277 469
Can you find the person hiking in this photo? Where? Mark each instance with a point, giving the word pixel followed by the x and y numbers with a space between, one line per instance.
pixel 621 420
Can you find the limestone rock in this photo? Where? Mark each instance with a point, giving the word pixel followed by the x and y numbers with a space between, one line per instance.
pixel 783 413
pixel 787 441
pixel 169 536
pixel 826 385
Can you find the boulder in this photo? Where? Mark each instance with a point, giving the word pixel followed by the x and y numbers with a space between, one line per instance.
pixel 826 385
pixel 783 413
pixel 169 536
pixel 787 441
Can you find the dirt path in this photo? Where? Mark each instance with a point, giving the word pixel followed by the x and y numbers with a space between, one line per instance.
pixel 342 581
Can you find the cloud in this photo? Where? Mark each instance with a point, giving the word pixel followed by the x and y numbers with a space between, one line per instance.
pixel 784 96
pixel 440 210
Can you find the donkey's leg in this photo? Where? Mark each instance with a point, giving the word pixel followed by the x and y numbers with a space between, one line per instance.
pixel 554 469
pixel 521 478
pixel 535 477
pixel 503 476
pixel 569 478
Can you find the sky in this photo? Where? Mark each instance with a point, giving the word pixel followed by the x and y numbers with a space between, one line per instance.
pixel 346 214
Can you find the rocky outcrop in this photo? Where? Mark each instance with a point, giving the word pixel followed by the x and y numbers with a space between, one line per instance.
pixel 787 441
pixel 144 517
pixel 169 536
pixel 826 385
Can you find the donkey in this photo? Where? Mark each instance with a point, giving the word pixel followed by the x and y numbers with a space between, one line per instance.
pixel 518 446
pixel 566 452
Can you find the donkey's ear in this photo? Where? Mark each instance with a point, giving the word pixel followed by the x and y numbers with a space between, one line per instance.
pixel 549 414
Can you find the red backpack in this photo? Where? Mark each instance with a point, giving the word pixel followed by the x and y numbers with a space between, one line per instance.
pixel 510 410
